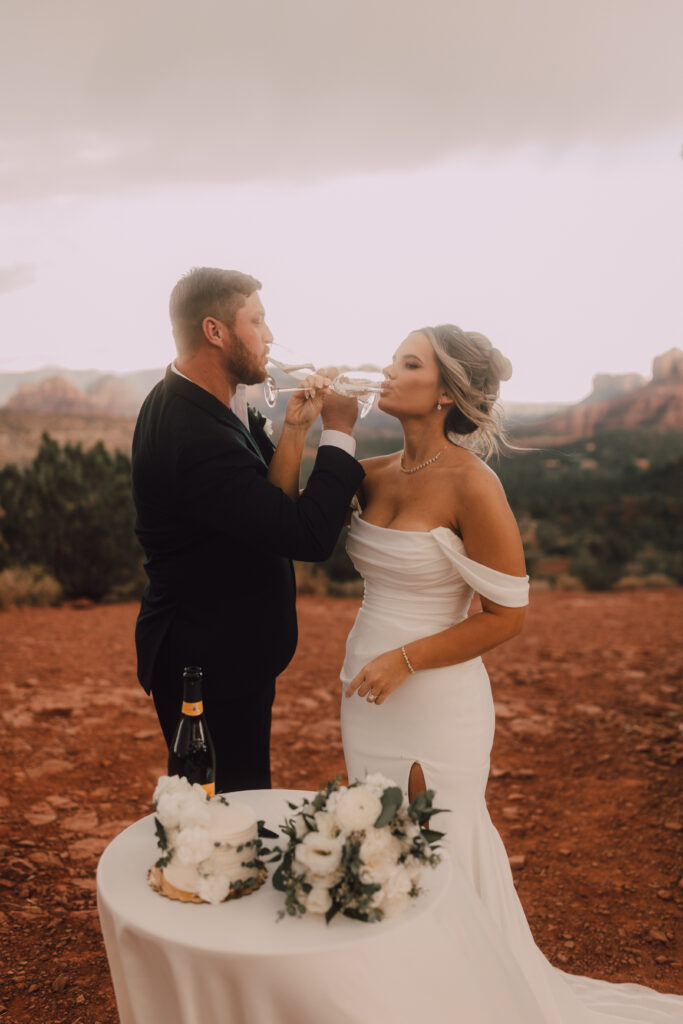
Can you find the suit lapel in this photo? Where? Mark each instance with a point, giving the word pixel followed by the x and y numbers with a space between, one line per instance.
pixel 237 424
pixel 209 403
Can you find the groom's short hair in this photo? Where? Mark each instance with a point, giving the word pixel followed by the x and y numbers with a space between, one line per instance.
pixel 202 292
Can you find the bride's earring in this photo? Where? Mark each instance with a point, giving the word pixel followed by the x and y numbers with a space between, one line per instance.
pixel 438 405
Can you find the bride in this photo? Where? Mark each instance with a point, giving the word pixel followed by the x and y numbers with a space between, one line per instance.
pixel 432 527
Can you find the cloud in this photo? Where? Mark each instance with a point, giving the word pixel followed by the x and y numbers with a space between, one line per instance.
pixel 106 97
pixel 14 277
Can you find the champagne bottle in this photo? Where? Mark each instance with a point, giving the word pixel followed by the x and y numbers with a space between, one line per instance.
pixel 191 753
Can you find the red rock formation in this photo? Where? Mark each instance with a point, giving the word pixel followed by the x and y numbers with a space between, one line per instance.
pixel 656 404
pixel 55 395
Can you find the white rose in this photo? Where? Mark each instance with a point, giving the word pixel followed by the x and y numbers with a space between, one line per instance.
pixel 327 881
pixel 411 830
pixel 193 845
pixel 213 888
pixel 183 809
pixel 392 906
pixel 318 900
pixel 376 783
pixel 320 854
pixel 168 809
pixel 357 809
pixel 334 798
pixel 379 853
pixel 170 784
pixel 327 825
pixel 415 868
pixel 398 883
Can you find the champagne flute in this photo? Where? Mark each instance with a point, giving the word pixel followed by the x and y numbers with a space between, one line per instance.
pixel 363 385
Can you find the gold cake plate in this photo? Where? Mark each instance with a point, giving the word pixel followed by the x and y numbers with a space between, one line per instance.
pixel 157 881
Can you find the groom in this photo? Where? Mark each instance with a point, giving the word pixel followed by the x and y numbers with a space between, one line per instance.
pixel 219 517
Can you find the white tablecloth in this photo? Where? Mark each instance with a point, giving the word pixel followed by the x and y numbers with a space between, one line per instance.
pixel 234 963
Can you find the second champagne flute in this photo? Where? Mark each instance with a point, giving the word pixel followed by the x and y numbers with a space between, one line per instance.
pixel 364 385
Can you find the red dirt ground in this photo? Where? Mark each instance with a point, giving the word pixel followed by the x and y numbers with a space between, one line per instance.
pixel 585 784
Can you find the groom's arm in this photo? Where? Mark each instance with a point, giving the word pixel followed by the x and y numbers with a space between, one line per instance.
pixel 339 415
pixel 223 489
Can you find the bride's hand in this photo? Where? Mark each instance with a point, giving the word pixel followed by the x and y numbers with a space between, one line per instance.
pixel 304 406
pixel 379 678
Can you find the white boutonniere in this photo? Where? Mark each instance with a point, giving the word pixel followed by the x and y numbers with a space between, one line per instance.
pixel 268 427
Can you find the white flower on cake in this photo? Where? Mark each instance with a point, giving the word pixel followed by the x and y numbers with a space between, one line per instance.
pixel 213 888
pixel 177 784
pixel 357 809
pixel 355 850
pixel 186 807
pixel 193 845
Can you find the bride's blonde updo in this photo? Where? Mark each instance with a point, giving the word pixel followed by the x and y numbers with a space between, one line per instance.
pixel 471 371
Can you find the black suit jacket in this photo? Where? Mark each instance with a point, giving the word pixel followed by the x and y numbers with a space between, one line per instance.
pixel 218 538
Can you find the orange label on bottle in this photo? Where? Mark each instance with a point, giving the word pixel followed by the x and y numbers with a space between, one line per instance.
pixel 210 788
pixel 192 708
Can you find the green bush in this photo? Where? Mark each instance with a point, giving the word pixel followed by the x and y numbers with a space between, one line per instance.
pixel 71 511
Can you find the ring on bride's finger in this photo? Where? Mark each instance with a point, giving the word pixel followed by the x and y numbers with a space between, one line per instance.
pixel 371 697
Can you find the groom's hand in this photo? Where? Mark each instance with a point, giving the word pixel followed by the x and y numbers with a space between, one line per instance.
pixel 339 412
pixel 305 405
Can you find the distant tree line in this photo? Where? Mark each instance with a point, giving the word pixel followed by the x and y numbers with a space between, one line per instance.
pixel 70 514
pixel 592 514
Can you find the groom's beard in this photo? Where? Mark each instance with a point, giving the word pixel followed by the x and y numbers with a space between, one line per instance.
pixel 242 364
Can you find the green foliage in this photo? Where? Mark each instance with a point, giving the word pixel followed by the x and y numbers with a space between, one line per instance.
pixel 591 513
pixel 613 506
pixel 392 799
pixel 71 511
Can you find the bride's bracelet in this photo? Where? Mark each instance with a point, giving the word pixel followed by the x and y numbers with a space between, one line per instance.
pixel 407 660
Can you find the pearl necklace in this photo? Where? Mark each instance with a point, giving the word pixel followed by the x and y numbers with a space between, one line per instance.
pixel 422 464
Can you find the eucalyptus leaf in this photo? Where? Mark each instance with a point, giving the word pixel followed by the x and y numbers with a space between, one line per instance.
pixel 162 838
pixel 432 836
pixel 332 912
pixel 280 878
pixel 392 799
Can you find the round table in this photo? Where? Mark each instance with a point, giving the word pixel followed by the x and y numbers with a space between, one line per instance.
pixel 236 963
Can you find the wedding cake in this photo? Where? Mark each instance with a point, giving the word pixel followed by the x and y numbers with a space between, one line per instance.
pixel 210 849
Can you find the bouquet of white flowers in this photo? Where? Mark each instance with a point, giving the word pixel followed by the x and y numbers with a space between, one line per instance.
pixel 355 850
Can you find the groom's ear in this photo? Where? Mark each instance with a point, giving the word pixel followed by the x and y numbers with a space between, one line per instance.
pixel 214 331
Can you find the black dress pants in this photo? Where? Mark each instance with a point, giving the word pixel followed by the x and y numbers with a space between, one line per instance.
pixel 237 709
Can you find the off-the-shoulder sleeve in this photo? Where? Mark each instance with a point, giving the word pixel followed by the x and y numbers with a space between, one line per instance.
pixel 509 591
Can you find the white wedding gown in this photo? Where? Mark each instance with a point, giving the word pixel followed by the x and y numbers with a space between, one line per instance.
pixel 416 584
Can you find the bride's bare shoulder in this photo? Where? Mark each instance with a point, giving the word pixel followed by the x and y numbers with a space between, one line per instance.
pixel 470 473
